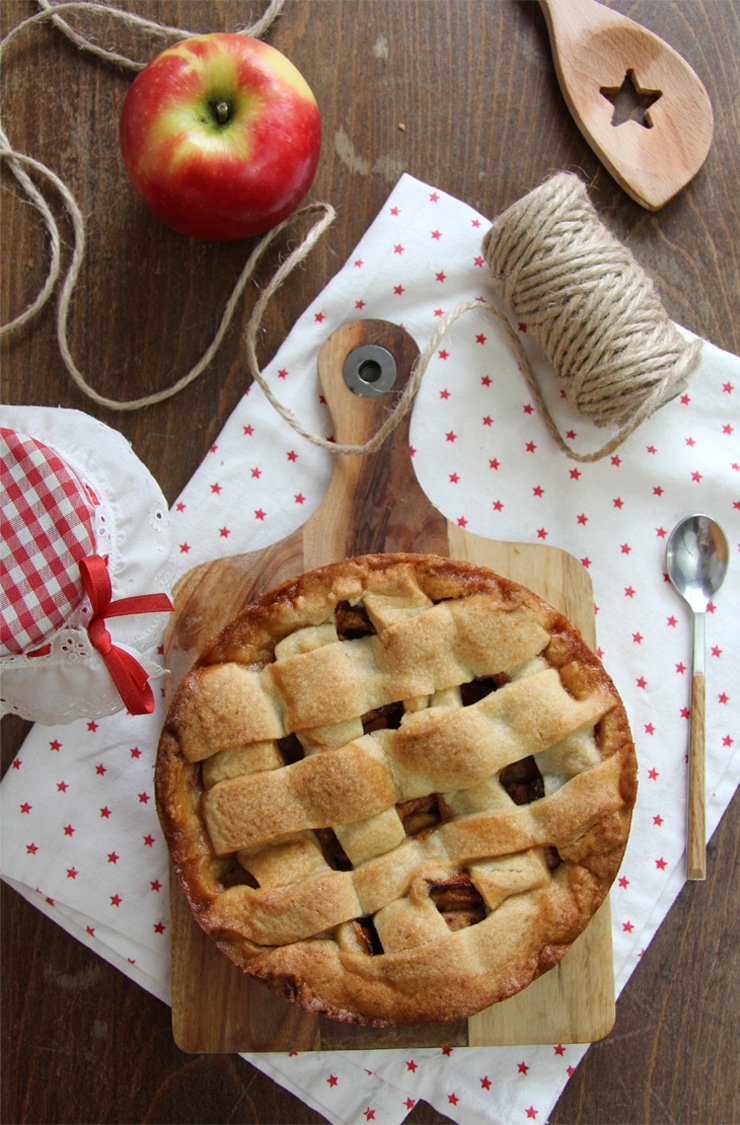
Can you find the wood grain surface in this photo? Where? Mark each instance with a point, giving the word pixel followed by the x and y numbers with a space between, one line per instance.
pixel 473 85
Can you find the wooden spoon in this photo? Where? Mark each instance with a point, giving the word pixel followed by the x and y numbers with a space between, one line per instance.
pixel 637 102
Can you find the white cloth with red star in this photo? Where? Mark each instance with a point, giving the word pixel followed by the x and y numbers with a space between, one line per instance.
pixel 80 833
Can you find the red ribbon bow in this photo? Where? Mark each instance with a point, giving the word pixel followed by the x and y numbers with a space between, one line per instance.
pixel 130 678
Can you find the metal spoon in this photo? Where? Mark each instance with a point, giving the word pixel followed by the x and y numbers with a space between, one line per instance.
pixel 696 557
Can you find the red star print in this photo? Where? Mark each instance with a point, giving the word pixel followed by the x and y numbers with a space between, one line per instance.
pixel 627 927
pixel 480 338
pixel 359 304
pixel 522 326
pixel 282 373
pixel 135 752
pixel 538 490
pixel 649 728
pixel 25 807
pixel 68 830
pixel 72 873
pixel 641 682
pixel 433 197
pixel 292 455
pixel 723 698
pixel 696 476
pixel 453 1099
pixel 497 506
pixel 575 474
pixel 629 592
pixel 115 900
pixel 485 1082
pixel 441 276
pixel 112 857
pixel 259 514
pixel 623 882
pixel 684 400
pixel 31 849
pixel 224 532
pixel 651 449
pixel 410 1103
pixel 616 460
pixel 184 548
pixel 149 841
pixel 216 488
pixel 319 317
pixel 728 429
pixel 672 621
pixel 411 1065
pixel 559 1050
pixel 398 290
pixel 105 812
pixel 494 463
pixel 618 502
pixel 530 447
pixel 586 562
pixel 412 451
pixel 155 885
pixel 17 763
pixel 450 436
pixel 625 548
pixel 657 491
pixel 436 234
pixel 248 431
pixel 300 498
pixel 532 1112
pixel 486 381
pixel 443 354
pixel 444 394
pixel 689 441
pixel 159 927
pixel 661 864
pixel 332 1080
pixel 454 478
pixel 728 388
pixel 55 745
pixel 715 651
pixel 541 533
pixel 488 420
pixel 180 506
pixel 461 521
pixel 358 262
pixel 256 473
pixel 571 435
pixel 398 248
pixel 143 798
pixel 439 312
pixel 727 740
pixel 369 1114
pixel 90 930
pixel 653 774
pixel 447 1050
pixel 92 726
pixel 658 821
pixel 522 1068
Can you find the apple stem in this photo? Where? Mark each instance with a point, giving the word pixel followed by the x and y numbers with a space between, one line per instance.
pixel 222 112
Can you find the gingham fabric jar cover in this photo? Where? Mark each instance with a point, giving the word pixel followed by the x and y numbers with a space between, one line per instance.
pixel 85 566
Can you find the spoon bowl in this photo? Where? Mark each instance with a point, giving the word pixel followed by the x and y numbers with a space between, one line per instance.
pixel 602 58
pixel 697 557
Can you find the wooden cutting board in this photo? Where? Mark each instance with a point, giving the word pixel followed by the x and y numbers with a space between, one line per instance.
pixel 373 503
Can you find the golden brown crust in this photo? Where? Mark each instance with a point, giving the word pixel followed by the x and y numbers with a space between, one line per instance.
pixel 491 732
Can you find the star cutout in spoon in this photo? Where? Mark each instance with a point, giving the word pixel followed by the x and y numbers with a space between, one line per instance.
pixel 630 101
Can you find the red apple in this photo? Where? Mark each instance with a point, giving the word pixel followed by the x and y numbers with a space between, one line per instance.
pixel 220 136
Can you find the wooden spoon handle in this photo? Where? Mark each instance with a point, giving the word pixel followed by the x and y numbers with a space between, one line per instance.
pixel 696 846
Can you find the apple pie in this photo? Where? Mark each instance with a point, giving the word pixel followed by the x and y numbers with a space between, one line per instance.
pixel 396 788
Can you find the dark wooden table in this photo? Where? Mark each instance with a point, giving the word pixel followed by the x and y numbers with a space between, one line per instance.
pixel 462 94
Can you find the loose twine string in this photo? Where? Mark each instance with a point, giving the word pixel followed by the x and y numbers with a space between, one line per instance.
pixel 615 352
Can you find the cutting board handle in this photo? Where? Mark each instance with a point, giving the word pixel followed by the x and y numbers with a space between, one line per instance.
pixel 374 501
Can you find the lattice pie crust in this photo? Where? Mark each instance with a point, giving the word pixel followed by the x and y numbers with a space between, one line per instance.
pixel 396 789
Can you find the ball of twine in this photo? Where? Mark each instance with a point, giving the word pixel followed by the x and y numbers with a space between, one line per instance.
pixel 616 354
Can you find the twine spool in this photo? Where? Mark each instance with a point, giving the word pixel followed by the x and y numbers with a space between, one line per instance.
pixel 616 354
